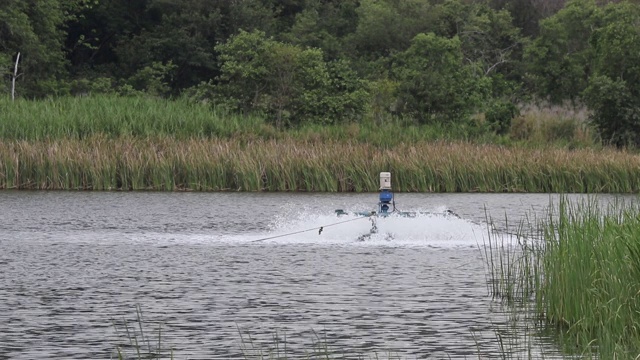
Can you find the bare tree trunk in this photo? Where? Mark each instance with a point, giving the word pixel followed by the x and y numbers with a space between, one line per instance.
pixel 13 81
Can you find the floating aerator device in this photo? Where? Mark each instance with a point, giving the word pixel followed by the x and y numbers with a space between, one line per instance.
pixel 386 203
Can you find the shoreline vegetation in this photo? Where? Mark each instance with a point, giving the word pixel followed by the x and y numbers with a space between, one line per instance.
pixel 323 95
pixel 125 143
pixel 581 282
pixel 165 163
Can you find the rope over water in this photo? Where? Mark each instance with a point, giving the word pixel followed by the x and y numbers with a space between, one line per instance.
pixel 319 228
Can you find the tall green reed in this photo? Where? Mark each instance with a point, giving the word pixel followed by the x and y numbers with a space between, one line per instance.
pixel 139 343
pixel 591 283
pixel 578 271
pixel 165 163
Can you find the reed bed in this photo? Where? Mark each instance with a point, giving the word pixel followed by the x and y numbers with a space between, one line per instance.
pixel 591 284
pixel 580 279
pixel 99 162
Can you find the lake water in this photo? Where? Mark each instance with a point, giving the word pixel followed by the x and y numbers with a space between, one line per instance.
pixel 215 268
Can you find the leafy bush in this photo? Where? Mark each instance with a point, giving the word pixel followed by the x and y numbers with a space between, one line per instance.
pixel 616 112
pixel 289 84
pixel 613 93
pixel 435 84
pixel 499 115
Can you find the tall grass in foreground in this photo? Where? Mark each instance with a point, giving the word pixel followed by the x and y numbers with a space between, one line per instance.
pixel 137 345
pixel 513 262
pixel 582 281
pixel 167 163
pixel 591 284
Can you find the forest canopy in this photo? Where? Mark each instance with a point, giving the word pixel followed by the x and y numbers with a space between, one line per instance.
pixel 331 62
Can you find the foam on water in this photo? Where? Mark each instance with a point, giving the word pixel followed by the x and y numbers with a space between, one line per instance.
pixel 435 228
pixel 428 229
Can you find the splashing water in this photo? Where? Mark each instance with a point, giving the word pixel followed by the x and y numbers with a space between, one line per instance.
pixel 436 229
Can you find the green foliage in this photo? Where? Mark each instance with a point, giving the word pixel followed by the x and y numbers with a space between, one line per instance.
pixel 492 44
pixel 383 102
pixel 616 112
pixel 435 83
pixel 592 52
pixel 203 92
pixel 487 36
pixel 243 68
pixel 499 115
pixel 120 38
pixel 84 86
pixel 326 62
pixel 324 25
pixel 179 38
pixel 33 28
pixel 559 60
pixel 289 84
pixel 613 94
pixel 246 15
pixel 386 27
pixel 589 282
pixel 617 44
pixel 154 79
pixel 98 30
pixel 527 14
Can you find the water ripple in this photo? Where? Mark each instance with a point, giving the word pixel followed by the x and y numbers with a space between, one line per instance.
pixel 78 263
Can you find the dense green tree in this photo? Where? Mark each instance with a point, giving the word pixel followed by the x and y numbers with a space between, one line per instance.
pixel 183 33
pixel 491 42
pixel 487 36
pixel 435 83
pixel 560 59
pixel 127 39
pixel 386 27
pixel 35 28
pixel 616 112
pixel 324 25
pixel 247 15
pixel 289 83
pixel 613 94
pixel 97 30
pixel 617 44
pixel 527 14
pixel 488 39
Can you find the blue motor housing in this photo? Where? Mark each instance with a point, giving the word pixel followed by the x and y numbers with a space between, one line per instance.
pixel 386 197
